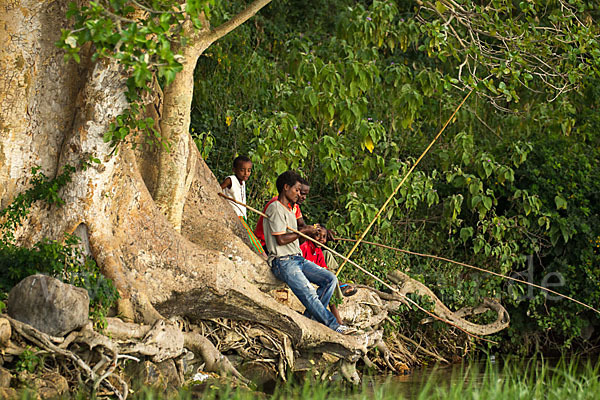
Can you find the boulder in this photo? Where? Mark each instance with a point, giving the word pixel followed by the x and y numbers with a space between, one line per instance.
pixel 146 374
pixel 162 376
pixel 168 370
pixel 49 305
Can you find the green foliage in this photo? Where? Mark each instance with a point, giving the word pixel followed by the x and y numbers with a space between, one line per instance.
pixel 501 49
pixel 145 38
pixel 42 188
pixel 46 256
pixel 63 260
pixel 29 361
pixel 103 293
pixel 205 143
pixel 353 94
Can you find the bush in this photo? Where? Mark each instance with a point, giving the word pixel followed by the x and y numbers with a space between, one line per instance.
pixel 62 260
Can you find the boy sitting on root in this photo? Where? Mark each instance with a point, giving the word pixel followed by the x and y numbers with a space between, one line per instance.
pixel 286 259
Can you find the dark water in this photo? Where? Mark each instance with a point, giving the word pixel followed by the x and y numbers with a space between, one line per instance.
pixel 486 373
pixel 467 373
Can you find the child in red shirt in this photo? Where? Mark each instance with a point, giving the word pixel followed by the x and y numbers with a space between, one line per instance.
pixel 312 252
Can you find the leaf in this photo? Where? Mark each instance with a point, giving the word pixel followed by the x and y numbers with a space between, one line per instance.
pixel 466 233
pixel 440 7
pixel 474 188
pixel 280 166
pixel 487 202
pixel 312 97
pixel 488 168
pixel 565 233
pixel 369 144
pixel 331 110
pixel 478 245
pixel 527 208
pixel 560 202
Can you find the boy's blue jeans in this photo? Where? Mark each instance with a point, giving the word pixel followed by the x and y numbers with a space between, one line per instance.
pixel 298 273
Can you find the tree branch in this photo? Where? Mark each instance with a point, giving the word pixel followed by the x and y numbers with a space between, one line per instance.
pixel 236 21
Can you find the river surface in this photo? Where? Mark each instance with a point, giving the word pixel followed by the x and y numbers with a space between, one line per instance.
pixel 472 375
pixel 410 386
pixel 468 372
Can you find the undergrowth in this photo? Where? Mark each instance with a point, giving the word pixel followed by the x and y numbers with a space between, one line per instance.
pixel 511 378
pixel 63 260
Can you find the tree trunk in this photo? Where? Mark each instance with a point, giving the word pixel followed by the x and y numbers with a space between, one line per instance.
pixel 176 164
pixel 37 91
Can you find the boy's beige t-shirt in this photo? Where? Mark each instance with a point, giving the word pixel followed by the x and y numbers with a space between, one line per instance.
pixel 279 218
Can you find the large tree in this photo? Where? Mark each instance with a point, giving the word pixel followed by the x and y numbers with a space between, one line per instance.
pixel 149 215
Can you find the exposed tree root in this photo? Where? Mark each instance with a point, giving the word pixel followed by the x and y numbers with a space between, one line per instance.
pixel 408 285
pixel 94 377
pixel 96 356
pixel 5 332
pixel 369 308
pixel 214 360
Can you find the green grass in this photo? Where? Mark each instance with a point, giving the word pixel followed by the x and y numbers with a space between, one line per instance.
pixel 534 378
pixel 512 378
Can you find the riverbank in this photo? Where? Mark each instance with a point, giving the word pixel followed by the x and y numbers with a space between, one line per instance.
pixel 492 378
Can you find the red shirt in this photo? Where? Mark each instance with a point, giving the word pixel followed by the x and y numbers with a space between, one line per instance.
pixel 313 253
pixel 259 232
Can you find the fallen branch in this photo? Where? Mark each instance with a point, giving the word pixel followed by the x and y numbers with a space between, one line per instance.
pixel 408 285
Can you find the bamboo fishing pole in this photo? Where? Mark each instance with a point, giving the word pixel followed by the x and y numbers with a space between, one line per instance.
pixel 393 289
pixel 401 183
pixel 472 267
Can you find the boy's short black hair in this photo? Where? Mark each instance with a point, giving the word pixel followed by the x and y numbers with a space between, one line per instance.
pixel 303 181
pixel 240 159
pixel 287 178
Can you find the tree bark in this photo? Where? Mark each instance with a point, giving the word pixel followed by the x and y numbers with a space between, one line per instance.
pixel 176 165
pixel 37 91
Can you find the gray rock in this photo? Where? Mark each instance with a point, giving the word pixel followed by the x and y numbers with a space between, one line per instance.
pixel 49 305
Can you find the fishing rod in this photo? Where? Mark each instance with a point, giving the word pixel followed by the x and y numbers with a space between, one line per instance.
pixel 393 289
pixel 472 267
pixel 401 183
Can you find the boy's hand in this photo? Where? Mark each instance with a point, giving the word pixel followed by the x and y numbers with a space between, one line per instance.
pixel 310 230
